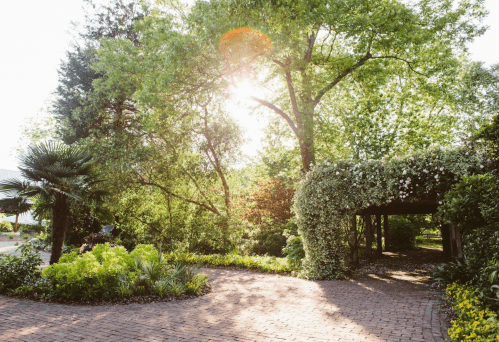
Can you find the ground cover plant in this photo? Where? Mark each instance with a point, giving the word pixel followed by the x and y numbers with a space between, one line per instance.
pixel 105 274
pixel 474 322
pixel 267 264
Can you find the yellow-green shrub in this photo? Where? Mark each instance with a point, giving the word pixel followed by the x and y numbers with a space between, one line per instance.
pixel 262 263
pixel 474 323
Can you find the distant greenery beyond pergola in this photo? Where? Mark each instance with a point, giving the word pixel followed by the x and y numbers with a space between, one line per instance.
pixel 332 194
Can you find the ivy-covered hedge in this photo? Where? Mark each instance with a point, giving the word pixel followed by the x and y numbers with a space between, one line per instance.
pixel 331 193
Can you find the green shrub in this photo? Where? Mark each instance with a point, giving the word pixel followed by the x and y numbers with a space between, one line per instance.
pixel 457 271
pixel 37 243
pixel 294 251
pixel 402 234
pixel 6 226
pixel 107 272
pixel 472 203
pixel 264 239
pixel 474 323
pixel 31 228
pixel 196 285
pixel 18 271
pixel 261 263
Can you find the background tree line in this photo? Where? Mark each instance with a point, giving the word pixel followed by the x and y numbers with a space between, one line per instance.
pixel 145 90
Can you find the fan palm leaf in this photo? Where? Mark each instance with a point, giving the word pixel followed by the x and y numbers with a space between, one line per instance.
pixel 56 173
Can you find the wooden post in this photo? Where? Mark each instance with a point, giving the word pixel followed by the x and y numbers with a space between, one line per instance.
pixel 387 232
pixel 455 241
pixel 446 241
pixel 352 241
pixel 379 242
pixel 369 236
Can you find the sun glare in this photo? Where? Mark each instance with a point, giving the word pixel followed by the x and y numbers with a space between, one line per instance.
pixel 239 107
pixel 242 91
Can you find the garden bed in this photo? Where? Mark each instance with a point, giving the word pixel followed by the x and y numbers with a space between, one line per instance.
pixel 104 275
pixel 144 299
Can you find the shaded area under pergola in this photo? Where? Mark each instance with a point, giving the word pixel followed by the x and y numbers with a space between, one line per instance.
pixel 451 234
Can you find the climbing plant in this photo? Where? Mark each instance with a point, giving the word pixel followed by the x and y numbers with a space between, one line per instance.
pixel 331 193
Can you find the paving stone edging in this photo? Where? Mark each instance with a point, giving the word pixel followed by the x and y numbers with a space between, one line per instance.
pixel 434 329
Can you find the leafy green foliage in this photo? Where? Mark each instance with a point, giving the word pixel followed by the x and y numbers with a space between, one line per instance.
pixel 473 323
pixel 330 194
pixel 16 271
pixel 402 234
pixel 56 174
pixel 107 272
pixel 473 202
pixel 294 250
pixel 6 226
pixel 261 263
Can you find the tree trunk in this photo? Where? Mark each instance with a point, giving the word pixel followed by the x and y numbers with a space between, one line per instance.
pixel 15 224
pixel 60 219
pixel 307 151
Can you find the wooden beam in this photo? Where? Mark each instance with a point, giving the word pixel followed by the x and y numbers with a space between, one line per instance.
pixel 379 242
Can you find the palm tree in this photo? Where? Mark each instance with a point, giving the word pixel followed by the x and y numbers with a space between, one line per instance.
pixel 56 173
pixel 15 203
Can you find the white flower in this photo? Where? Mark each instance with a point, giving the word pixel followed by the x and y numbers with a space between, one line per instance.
pixel 481 166
pixel 401 181
pixel 354 184
pixel 404 172
pixel 441 169
pixel 439 202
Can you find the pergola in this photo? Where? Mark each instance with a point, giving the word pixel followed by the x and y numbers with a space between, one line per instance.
pixel 451 234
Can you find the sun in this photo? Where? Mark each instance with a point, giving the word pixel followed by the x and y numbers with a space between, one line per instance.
pixel 243 90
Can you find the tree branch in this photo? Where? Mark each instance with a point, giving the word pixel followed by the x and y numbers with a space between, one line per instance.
pixel 162 188
pixel 338 78
pixel 280 112
pixel 216 162
pixel 409 64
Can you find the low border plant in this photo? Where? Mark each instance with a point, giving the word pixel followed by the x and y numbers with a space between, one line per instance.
pixel 267 264
pixel 473 323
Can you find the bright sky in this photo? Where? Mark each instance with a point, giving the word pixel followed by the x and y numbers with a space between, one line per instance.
pixel 36 36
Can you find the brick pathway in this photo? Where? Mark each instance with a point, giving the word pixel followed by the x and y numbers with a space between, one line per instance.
pixel 243 306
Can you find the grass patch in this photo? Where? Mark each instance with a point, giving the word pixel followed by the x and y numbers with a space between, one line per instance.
pixel 434 243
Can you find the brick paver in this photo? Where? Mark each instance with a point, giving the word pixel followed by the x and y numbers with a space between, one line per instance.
pixel 243 306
